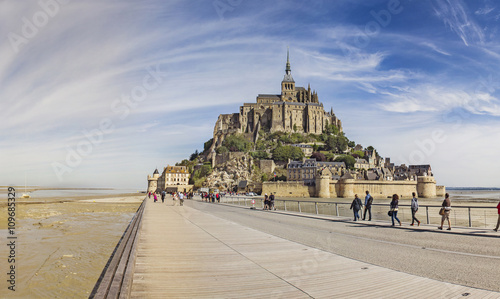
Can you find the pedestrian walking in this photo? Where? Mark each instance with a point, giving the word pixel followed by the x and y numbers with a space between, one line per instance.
pixel 266 201
pixel 356 206
pixel 156 198
pixel 368 206
pixel 149 194
pixel 163 194
pixel 414 209
pixel 498 221
pixel 394 209
pixel 271 202
pixel 446 210
pixel 181 198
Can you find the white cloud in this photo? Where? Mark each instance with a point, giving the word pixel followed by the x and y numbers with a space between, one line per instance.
pixel 456 17
pixel 439 99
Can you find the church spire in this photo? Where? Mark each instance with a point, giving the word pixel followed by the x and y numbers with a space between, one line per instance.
pixel 288 69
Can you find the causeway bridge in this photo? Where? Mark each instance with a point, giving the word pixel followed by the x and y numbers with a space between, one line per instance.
pixel 228 250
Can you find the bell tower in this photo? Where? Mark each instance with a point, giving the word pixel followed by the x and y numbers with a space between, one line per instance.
pixel 288 93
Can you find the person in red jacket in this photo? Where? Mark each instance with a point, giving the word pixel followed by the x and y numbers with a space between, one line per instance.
pixel 498 222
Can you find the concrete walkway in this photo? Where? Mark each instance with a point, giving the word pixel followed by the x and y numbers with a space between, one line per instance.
pixel 185 253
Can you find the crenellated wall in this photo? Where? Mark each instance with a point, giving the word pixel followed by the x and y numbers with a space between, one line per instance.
pixel 288 189
pixel 347 188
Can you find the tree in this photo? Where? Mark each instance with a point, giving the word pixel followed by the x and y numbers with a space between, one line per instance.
pixel 331 130
pixel 285 139
pixel 283 153
pixel 360 154
pixel 208 144
pixel 347 159
pixel 318 156
pixel 336 144
pixel 237 143
pixel 194 155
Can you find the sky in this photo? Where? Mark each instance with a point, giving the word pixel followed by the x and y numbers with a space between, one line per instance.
pixel 100 93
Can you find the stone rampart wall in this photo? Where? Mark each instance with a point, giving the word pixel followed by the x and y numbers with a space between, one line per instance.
pixel 440 191
pixel 378 189
pixel 288 189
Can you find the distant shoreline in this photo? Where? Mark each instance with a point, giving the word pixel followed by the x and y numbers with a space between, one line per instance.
pixel 474 188
pixel 55 188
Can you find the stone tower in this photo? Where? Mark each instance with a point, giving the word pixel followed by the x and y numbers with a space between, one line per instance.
pixel 153 181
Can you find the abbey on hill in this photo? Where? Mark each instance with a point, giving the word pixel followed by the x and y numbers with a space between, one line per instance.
pixel 296 109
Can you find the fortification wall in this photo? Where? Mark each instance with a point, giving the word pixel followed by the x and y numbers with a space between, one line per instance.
pixel 288 189
pixel 440 191
pixel 378 189
pixel 348 188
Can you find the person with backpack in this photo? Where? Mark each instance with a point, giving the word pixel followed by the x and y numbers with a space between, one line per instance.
pixel 414 209
pixel 368 206
pixel 163 194
pixel 356 206
pixel 271 202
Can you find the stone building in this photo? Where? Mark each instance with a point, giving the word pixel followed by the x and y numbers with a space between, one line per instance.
pixel 172 179
pixel 296 109
pixel 307 170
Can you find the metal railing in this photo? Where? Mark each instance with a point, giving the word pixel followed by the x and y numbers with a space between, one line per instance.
pixel 465 216
pixel 116 278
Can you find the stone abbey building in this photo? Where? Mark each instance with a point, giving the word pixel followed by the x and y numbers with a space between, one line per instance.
pixel 296 109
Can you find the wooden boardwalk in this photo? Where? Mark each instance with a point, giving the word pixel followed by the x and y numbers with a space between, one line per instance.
pixel 185 253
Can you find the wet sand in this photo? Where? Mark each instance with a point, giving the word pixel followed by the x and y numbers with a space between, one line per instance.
pixel 64 243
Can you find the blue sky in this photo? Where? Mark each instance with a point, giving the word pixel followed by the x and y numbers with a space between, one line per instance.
pixel 100 93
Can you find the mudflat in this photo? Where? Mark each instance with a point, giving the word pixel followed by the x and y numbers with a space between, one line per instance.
pixel 63 244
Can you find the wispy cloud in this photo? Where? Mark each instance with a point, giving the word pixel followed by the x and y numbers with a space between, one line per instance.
pixel 456 16
pixel 432 98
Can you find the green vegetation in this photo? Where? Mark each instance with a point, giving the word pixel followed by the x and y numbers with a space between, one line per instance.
pixel 237 143
pixel 200 175
pixel 347 159
pixel 260 155
pixel 360 154
pixel 194 155
pixel 207 145
pixel 221 149
pixel 337 144
pixel 283 153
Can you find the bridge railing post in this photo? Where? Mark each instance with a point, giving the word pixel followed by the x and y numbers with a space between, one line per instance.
pixel 298 202
pixel 427 214
pixel 470 219
pixel 316 207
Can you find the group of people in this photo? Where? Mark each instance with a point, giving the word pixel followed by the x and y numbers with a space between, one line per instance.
pixel 357 205
pixel 175 196
pixel 212 197
pixel 269 202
